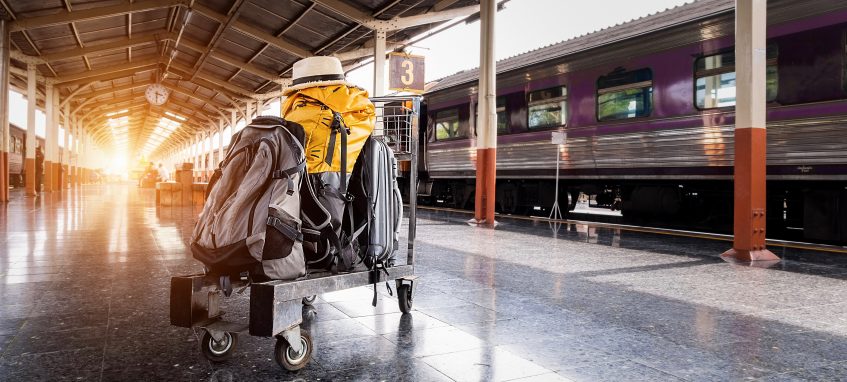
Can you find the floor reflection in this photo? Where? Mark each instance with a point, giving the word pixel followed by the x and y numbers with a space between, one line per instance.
pixel 84 285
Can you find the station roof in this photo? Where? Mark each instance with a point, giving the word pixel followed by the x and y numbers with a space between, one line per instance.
pixel 693 12
pixel 213 55
pixel 681 14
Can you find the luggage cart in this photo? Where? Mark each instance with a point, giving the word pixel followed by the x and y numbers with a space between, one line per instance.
pixel 276 306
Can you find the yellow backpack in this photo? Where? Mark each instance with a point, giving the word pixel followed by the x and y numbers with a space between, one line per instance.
pixel 313 109
pixel 337 121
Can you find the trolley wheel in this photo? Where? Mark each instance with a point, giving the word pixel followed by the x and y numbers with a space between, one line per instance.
pixel 288 358
pixel 218 351
pixel 404 297
pixel 310 300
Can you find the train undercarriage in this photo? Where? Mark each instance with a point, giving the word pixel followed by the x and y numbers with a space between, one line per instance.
pixel 801 211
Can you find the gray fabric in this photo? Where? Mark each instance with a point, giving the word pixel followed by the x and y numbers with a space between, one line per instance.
pixel 329 195
pixel 386 204
pixel 245 192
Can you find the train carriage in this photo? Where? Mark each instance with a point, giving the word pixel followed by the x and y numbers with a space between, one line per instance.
pixel 648 111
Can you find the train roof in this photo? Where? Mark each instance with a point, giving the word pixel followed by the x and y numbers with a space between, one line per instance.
pixel 682 14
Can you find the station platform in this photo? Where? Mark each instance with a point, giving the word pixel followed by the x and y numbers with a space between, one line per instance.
pixel 84 278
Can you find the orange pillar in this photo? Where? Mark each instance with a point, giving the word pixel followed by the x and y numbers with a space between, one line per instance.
pixel 486 160
pixel 750 135
pixel 48 178
pixel 56 173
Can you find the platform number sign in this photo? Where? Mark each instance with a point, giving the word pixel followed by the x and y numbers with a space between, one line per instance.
pixel 406 72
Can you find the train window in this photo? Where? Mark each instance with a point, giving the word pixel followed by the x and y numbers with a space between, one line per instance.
pixel 547 108
pixel 447 124
pixel 714 84
pixel 502 115
pixel 622 95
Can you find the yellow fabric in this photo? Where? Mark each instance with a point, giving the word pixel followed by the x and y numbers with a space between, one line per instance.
pixel 353 105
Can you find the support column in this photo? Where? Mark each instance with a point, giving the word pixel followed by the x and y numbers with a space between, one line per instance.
pixel 220 140
pixel 66 159
pixel 4 111
pixel 203 157
pixel 86 167
pixel 75 153
pixel 233 119
pixel 31 176
pixel 486 140
pixel 750 134
pixel 50 140
pixel 248 110
pixel 60 169
pixel 198 158
pixel 379 63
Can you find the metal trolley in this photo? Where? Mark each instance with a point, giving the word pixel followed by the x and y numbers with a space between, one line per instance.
pixel 276 306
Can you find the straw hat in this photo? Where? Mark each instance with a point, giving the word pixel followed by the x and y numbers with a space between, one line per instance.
pixel 317 71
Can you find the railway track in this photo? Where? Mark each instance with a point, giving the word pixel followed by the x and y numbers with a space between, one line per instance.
pixel 609 223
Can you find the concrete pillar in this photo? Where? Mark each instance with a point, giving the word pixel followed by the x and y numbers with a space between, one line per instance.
pixel 75 156
pixel 486 140
pixel 31 176
pixel 379 63
pixel 220 140
pixel 198 147
pixel 86 144
pixel 233 119
pixel 50 141
pixel 4 110
pixel 248 110
pixel 203 156
pixel 66 159
pixel 80 144
pixel 750 134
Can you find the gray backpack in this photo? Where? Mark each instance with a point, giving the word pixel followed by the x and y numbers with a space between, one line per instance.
pixel 251 219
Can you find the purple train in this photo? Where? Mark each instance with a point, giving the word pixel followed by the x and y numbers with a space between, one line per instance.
pixel 648 111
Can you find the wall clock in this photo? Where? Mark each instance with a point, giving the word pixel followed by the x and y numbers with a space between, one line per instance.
pixel 157 94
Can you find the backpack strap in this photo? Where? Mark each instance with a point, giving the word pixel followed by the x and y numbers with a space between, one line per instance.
pixel 290 232
pixel 288 173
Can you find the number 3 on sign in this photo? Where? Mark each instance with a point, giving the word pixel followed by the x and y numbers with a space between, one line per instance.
pixel 408 77
pixel 406 72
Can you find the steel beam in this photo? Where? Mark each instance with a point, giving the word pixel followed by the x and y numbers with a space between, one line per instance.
pixel 228 59
pixel 26 59
pixel 346 10
pixel 210 82
pixel 92 13
pixel 90 50
pixel 443 4
pixel 88 75
pixel 398 23
pixel 277 35
pixel 258 34
pixel 379 63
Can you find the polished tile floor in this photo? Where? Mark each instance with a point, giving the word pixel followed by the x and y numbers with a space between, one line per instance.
pixel 84 280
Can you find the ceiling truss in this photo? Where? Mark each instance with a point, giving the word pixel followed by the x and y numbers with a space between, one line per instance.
pixel 213 55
